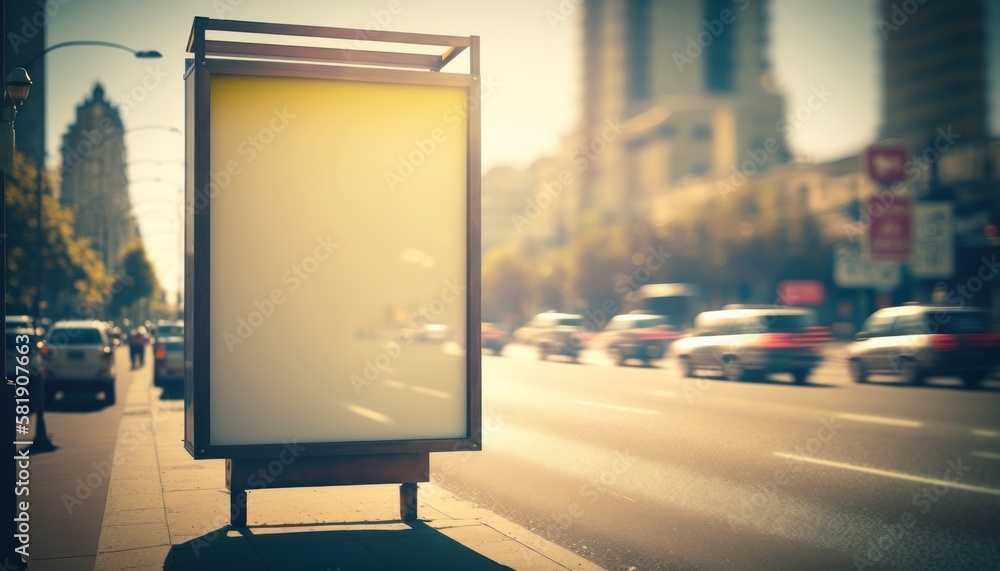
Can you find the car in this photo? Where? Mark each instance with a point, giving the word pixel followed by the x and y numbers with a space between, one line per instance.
pixel 919 341
pixel 638 335
pixel 169 360
pixel 80 357
pixel 166 328
pixel 432 333
pixel 544 322
pixel 750 344
pixel 22 322
pixel 494 338
pixel 555 334
pixel 23 354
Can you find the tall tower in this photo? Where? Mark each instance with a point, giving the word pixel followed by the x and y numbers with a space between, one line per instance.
pixel 691 82
pixel 94 182
pixel 934 57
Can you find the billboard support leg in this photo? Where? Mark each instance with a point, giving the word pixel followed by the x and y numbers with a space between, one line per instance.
pixel 238 508
pixel 408 502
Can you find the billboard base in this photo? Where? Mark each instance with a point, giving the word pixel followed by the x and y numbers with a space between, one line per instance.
pixel 243 474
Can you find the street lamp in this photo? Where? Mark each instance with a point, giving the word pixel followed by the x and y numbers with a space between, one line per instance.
pixel 16 86
pixel 142 54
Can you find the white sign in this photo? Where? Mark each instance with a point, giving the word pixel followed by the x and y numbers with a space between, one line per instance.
pixel 933 254
pixel 850 269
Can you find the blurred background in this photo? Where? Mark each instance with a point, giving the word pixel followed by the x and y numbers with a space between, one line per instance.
pixel 645 163
pixel 729 135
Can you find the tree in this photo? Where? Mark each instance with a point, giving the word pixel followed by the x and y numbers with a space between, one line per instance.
pixel 135 281
pixel 508 285
pixel 70 268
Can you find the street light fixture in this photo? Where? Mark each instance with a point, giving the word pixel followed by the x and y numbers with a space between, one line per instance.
pixel 17 85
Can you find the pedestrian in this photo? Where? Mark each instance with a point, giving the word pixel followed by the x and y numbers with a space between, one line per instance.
pixel 137 347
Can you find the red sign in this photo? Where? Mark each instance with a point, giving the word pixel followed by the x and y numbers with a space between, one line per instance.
pixel 801 292
pixel 889 232
pixel 885 164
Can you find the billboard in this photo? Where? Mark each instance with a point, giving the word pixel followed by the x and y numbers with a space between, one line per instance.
pixel 332 251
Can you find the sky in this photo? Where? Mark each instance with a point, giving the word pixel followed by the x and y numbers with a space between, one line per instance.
pixel 532 58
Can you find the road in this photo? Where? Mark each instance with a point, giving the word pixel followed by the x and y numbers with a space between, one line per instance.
pixel 638 468
pixel 69 485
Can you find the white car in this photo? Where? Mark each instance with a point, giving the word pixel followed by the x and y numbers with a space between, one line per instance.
pixel 81 357
pixel 545 323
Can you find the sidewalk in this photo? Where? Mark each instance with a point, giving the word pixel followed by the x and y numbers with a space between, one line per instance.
pixel 167 511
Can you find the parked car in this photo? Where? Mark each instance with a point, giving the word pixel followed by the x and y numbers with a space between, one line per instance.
pixel 169 360
pixel 22 322
pixel 494 338
pixel 80 357
pixel 29 360
pixel 640 336
pixel 749 344
pixel 166 328
pixel 916 342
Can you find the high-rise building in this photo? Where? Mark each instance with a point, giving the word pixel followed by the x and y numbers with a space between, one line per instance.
pixel 934 60
pixel 94 183
pixel 673 88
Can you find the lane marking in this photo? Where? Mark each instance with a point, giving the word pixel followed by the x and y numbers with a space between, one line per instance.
pixel 888 474
pixel 880 420
pixel 985 433
pixel 659 393
pixel 987 455
pixel 616 407
pixel 621 496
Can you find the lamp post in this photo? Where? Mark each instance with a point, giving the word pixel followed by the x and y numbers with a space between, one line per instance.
pixel 16 87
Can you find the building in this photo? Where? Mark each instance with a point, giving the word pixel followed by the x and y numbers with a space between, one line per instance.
pixel 934 70
pixel 672 89
pixel 94 183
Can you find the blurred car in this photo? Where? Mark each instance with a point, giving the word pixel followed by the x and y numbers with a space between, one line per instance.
pixel 30 359
pixel 749 344
pixel 433 333
pixel 169 360
pixel 543 323
pixel 22 322
pixel 494 338
pixel 640 336
pixel 166 328
pixel 563 335
pixel 80 357
pixel 916 342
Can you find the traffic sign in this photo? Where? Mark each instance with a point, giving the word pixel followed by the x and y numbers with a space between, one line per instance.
pixel 889 232
pixel 885 163
pixel 933 240
pixel 851 269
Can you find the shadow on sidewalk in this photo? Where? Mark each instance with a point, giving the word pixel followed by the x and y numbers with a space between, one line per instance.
pixel 387 545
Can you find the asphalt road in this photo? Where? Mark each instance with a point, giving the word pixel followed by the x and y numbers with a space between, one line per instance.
pixel 638 468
